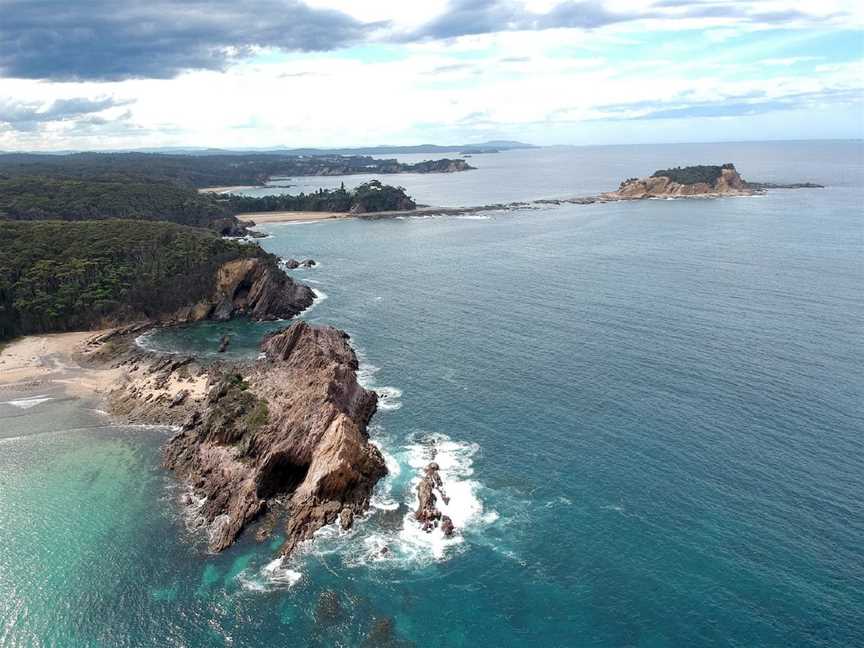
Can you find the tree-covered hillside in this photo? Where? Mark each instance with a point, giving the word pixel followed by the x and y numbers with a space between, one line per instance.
pixel 197 171
pixel 31 198
pixel 57 276
pixel 55 198
pixel 369 197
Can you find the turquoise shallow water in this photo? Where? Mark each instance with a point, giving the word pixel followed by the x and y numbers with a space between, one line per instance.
pixel 648 415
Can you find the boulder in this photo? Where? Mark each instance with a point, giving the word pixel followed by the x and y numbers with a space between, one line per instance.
pixel 346 518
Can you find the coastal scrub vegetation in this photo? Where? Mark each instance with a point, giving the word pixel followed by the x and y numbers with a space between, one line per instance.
pixel 211 170
pixel 368 197
pixel 30 198
pixel 59 276
pixel 52 198
pixel 693 174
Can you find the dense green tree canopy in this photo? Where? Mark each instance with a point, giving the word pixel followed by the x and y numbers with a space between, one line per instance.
pixel 693 174
pixel 57 276
pixel 369 197
pixel 52 198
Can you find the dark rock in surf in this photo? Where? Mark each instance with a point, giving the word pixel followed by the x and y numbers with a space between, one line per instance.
pixel 447 527
pixel 346 519
pixel 427 513
pixel 223 343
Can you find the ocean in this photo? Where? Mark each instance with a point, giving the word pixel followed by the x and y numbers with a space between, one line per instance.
pixel 648 418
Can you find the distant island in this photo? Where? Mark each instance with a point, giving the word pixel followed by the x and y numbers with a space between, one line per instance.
pixel 700 180
pixel 409 149
pixel 694 181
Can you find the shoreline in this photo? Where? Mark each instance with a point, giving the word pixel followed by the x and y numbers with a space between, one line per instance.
pixel 264 218
pixel 292 216
pixel 34 361
pixel 229 189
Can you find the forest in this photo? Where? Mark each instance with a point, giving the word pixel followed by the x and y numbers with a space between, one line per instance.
pixel 30 198
pixel 216 170
pixel 60 276
pixel 693 174
pixel 368 197
pixel 110 196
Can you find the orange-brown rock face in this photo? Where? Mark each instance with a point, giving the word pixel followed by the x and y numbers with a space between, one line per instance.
pixel 289 434
pixel 250 288
pixel 727 183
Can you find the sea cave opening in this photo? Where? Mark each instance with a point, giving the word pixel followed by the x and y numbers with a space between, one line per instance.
pixel 281 475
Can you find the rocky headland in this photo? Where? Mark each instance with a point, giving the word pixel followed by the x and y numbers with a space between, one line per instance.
pixel 285 435
pixel 704 181
pixel 250 288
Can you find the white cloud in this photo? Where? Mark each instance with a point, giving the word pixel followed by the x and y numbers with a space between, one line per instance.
pixel 540 84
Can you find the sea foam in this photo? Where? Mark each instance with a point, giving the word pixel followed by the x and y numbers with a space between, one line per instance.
pixel 27 403
pixel 274 575
pixel 389 536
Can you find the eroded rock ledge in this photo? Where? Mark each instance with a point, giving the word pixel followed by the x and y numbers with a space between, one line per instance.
pixel 251 288
pixel 285 434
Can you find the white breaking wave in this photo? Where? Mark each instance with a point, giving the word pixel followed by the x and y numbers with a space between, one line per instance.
pixel 455 462
pixel 388 398
pixel 191 509
pixel 379 539
pixel 274 575
pixel 27 403
pixel 142 341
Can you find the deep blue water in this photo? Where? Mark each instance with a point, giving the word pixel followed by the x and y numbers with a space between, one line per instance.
pixel 649 416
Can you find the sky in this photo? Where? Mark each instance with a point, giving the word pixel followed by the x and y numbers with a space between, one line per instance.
pixel 117 74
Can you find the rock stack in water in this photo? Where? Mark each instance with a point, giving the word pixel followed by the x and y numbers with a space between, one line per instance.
pixel 427 513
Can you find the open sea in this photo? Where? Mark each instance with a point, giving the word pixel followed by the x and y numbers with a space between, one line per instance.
pixel 649 418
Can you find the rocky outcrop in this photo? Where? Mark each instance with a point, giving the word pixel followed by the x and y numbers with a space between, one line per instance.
pixel 716 181
pixel 287 433
pixel 446 165
pixel 252 288
pixel 427 513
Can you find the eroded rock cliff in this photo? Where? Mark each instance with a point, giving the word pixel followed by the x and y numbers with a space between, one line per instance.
pixel 286 433
pixel 688 181
pixel 252 288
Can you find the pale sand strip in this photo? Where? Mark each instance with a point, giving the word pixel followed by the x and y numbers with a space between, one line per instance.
pixel 50 358
pixel 289 216
pixel 221 190
pixel 30 363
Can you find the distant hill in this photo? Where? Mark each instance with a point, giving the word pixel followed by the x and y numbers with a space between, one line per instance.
pixel 500 145
pixel 212 170
pixel 33 198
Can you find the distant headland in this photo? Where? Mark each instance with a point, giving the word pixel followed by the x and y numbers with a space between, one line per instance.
pixel 696 181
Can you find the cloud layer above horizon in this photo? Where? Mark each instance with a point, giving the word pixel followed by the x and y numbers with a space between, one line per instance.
pixel 268 73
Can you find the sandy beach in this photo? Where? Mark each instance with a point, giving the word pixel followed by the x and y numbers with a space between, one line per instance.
pixel 223 190
pixel 37 360
pixel 289 216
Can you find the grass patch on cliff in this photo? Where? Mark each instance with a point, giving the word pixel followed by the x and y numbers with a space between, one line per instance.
pixel 258 416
